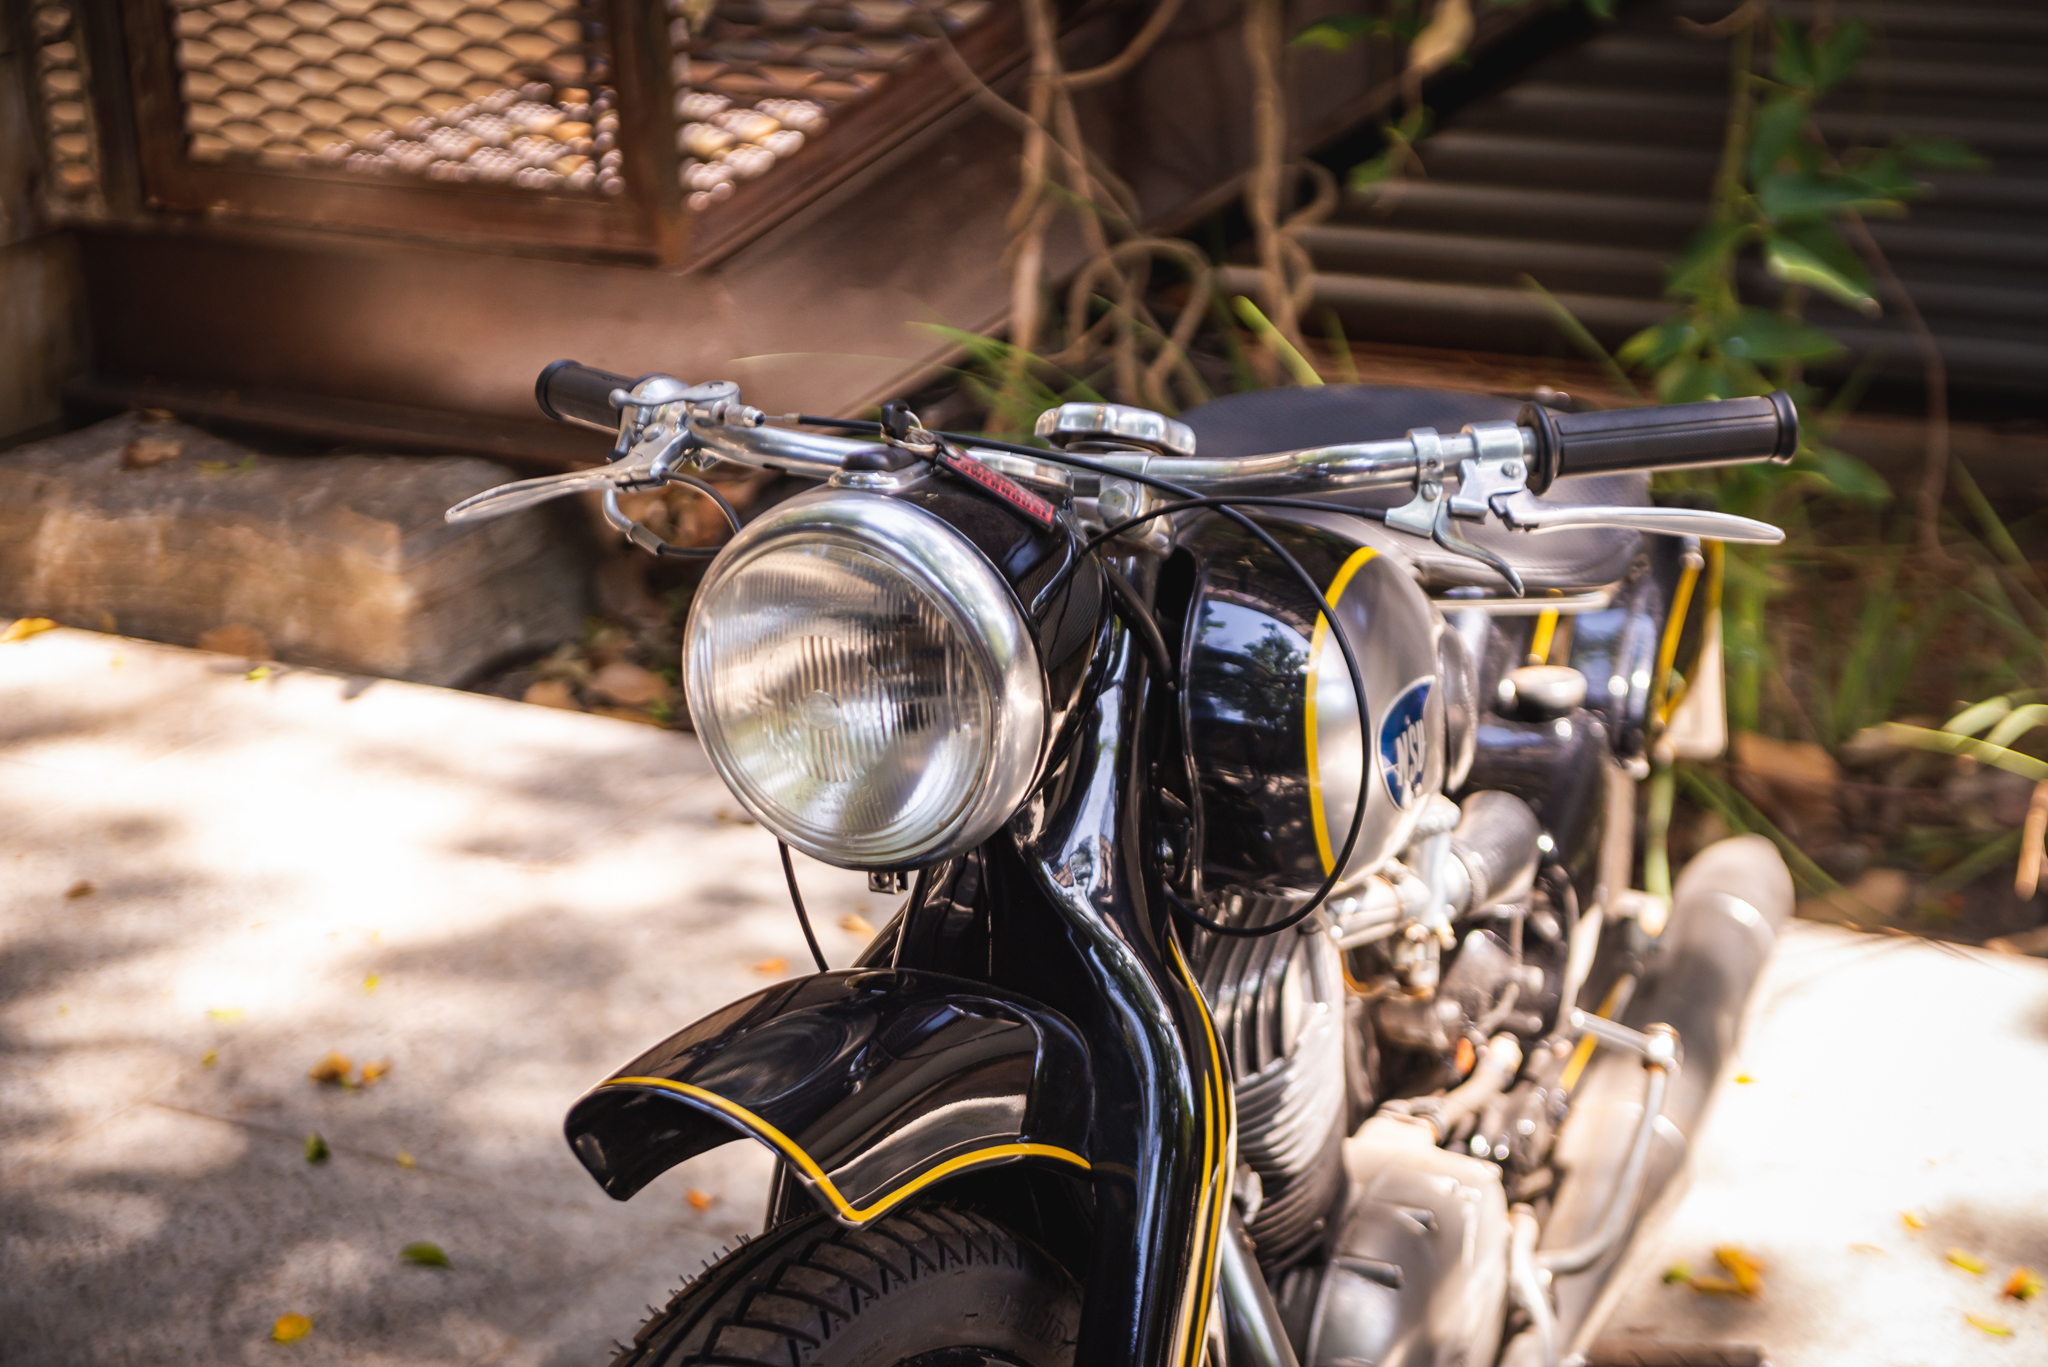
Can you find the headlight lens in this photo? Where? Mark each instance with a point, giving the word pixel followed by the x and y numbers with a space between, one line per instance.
pixel 864 681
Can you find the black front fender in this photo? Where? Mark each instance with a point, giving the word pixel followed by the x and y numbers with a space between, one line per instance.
pixel 870 1084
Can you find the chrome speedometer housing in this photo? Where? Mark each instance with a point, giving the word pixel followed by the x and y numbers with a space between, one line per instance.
pixel 865 681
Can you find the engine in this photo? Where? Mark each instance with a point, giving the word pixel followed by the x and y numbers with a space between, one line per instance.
pixel 1279 1006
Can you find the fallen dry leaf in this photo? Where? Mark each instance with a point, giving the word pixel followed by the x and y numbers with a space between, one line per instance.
pixel 373 1071
pixel 236 638
pixel 290 1328
pixel 1969 1262
pixel 25 627
pixel 84 887
pixel 333 1069
pixel 144 452
pixel 209 1058
pixel 1789 761
pixel 1677 1272
pixel 258 674
pixel 699 1200
pixel 1879 897
pixel 407 1161
pixel 552 693
pixel 2024 1284
pixel 628 685
pixel 1715 1286
pixel 1990 1326
pixel 316 1148
pixel 1911 1220
pixel 424 1254
pixel 1746 1270
pixel 768 968
pixel 856 925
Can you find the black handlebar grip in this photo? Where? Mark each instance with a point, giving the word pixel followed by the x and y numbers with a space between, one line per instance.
pixel 569 391
pixel 1674 437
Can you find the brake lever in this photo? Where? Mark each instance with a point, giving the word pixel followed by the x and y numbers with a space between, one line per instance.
pixel 1522 511
pixel 1429 513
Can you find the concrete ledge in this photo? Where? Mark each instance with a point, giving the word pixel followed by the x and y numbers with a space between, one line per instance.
pixel 342 561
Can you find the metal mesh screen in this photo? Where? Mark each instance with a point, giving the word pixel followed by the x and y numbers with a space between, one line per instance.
pixel 755 77
pixel 60 74
pixel 510 92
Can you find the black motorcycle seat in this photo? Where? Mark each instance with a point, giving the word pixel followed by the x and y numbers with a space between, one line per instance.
pixel 1262 420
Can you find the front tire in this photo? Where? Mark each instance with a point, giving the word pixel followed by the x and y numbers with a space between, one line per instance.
pixel 930 1286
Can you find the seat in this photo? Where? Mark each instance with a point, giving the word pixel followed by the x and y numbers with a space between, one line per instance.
pixel 1263 420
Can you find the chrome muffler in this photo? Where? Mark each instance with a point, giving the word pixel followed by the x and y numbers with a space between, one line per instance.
pixel 1726 912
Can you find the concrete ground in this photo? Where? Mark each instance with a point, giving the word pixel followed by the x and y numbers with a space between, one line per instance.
pixel 1887 1078
pixel 506 902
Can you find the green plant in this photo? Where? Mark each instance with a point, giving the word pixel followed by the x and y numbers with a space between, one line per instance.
pixel 1783 195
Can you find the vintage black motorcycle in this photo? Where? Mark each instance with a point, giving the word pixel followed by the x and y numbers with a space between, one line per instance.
pixel 1265 801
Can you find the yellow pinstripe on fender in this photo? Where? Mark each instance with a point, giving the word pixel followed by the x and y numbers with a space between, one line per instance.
pixel 789 1149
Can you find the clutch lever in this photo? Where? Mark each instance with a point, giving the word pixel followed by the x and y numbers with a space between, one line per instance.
pixel 634 469
pixel 1522 511
pixel 662 442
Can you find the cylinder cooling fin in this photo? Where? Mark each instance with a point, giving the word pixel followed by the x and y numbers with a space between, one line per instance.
pixel 1278 1002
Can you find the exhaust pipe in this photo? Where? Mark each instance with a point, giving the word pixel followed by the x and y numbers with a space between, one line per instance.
pixel 1726 912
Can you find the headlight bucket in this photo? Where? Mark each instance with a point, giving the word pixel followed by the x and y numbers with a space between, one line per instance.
pixel 865 681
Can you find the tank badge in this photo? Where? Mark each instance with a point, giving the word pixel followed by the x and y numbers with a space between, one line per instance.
pixel 1404 745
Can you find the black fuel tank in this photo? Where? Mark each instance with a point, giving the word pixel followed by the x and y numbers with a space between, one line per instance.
pixel 1272 724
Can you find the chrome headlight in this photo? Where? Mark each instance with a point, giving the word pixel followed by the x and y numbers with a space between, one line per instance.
pixel 865 681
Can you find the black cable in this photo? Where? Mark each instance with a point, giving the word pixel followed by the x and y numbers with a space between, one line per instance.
pixel 1141 621
pixel 710 491
pixel 1066 571
pixel 803 918
pixel 1224 506
pixel 667 551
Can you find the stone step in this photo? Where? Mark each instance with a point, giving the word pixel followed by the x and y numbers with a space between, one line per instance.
pixel 342 562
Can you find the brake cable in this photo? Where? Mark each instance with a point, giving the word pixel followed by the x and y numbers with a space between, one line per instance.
pixel 654 545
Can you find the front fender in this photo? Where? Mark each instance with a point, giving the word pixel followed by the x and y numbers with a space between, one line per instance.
pixel 871 1084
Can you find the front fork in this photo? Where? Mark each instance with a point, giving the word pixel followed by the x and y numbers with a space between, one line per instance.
pixel 1071 920
pixel 1165 1121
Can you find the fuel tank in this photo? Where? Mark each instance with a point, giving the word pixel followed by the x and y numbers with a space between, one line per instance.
pixel 1277 739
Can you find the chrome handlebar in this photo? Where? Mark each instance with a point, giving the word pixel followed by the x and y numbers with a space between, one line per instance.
pixel 667 428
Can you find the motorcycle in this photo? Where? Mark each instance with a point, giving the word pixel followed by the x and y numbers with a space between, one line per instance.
pixel 1270 985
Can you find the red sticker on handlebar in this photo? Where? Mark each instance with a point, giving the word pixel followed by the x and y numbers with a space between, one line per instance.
pixel 1039 510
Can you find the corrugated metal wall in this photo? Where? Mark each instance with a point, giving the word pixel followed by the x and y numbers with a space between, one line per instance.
pixel 1591 171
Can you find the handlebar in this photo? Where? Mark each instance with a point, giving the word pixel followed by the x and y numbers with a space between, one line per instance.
pixel 1675 437
pixel 1498 468
pixel 569 391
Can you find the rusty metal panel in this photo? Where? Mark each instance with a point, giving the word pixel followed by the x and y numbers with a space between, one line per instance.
pixel 755 78
pixel 505 92
pixel 61 76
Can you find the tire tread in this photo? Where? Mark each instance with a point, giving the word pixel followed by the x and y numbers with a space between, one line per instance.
pixel 769 1301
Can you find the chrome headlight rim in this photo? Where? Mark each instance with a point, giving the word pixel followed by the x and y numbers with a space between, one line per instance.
pixel 977 601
